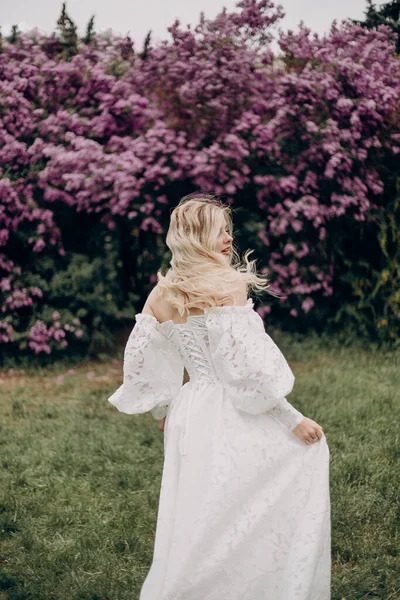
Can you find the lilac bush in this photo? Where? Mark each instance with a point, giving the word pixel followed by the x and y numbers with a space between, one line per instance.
pixel 95 149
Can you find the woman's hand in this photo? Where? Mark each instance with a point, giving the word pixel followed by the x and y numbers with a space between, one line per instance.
pixel 308 431
pixel 160 424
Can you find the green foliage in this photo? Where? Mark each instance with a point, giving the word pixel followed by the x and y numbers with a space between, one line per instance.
pixel 368 262
pixel 146 47
pixel 67 33
pixel 90 32
pixel 376 310
pixel 85 285
pixel 387 14
pixel 14 35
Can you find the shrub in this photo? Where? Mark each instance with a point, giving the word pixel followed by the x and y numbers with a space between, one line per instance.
pixel 97 143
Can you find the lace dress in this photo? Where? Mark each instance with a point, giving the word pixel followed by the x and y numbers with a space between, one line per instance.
pixel 244 506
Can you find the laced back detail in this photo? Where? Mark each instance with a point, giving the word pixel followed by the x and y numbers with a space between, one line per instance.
pixel 195 349
pixel 227 345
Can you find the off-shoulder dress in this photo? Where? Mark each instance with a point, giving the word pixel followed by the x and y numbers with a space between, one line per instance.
pixel 244 505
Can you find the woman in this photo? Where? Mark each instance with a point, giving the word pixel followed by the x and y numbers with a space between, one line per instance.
pixel 244 507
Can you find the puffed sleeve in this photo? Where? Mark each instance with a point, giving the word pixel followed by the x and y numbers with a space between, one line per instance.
pixel 152 370
pixel 250 364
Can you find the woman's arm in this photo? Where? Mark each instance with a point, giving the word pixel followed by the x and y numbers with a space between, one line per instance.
pixel 253 367
pixel 155 306
pixel 152 368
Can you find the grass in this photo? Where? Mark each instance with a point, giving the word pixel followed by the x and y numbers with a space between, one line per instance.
pixel 79 482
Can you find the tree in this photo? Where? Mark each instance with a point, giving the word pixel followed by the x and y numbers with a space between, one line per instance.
pixel 90 33
pixel 14 35
pixel 146 46
pixel 68 33
pixel 387 14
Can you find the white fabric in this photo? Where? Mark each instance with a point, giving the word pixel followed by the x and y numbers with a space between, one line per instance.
pixel 153 370
pixel 244 507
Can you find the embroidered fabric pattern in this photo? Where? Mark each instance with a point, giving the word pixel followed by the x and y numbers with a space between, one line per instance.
pixel 244 506
pixel 153 371
pixel 251 364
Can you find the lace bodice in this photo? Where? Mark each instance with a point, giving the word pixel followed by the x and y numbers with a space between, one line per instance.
pixel 194 346
pixel 225 346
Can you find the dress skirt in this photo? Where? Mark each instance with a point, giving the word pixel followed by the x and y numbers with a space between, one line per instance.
pixel 244 506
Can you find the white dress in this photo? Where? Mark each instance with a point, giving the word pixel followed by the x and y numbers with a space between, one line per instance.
pixel 244 506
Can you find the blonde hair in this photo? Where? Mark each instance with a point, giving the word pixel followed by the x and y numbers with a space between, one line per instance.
pixel 200 277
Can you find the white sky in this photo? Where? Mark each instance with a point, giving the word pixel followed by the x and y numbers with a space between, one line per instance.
pixel 136 18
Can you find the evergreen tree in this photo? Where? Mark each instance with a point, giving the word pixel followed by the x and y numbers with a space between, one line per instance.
pixel 146 46
pixel 386 14
pixel 14 35
pixel 68 33
pixel 90 33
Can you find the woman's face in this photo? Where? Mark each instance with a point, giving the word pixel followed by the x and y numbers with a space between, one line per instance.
pixel 224 240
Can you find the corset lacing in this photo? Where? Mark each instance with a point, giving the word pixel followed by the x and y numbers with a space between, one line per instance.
pixel 195 351
pixel 194 347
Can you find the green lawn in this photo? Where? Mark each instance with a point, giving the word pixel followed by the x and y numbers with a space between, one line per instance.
pixel 80 481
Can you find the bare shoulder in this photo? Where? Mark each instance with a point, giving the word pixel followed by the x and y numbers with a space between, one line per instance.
pixel 162 310
pixel 156 306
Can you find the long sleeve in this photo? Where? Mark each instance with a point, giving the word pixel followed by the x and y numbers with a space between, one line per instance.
pixel 250 364
pixel 152 370
pixel 287 414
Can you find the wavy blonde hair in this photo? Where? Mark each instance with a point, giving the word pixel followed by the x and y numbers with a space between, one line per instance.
pixel 200 277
